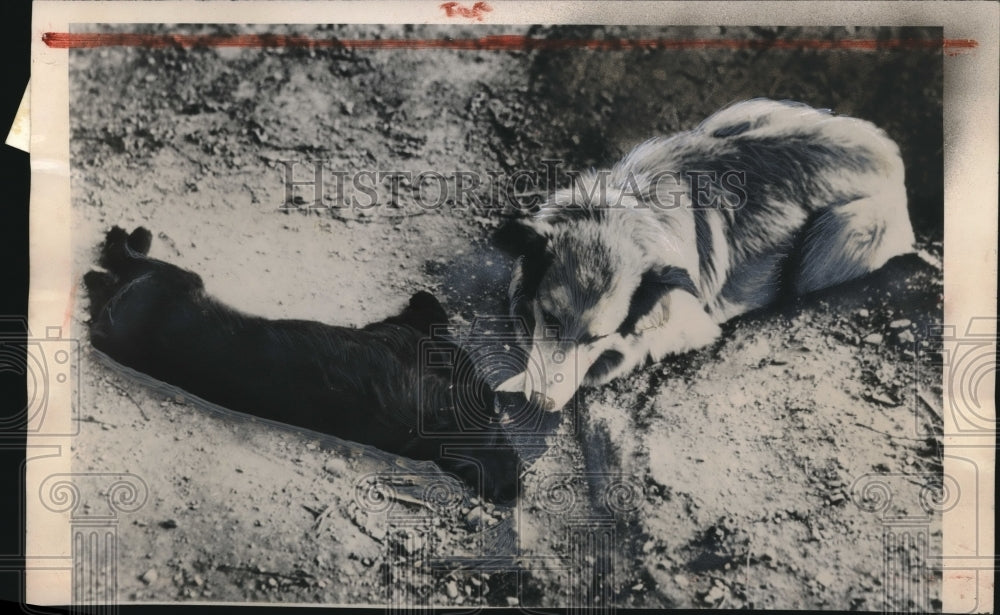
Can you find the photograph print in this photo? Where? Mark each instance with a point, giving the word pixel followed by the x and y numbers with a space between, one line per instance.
pixel 492 316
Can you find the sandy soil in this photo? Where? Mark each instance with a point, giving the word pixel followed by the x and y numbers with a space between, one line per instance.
pixel 762 472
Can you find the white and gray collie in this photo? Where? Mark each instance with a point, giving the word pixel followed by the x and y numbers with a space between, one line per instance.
pixel 764 199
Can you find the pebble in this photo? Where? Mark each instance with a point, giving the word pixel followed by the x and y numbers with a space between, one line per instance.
pixel 906 337
pixel 272 582
pixel 169 524
pixel 451 588
pixel 714 595
pixel 899 324
pixel 825 578
pixel 149 577
pixel 883 399
pixel 412 544
pixel 512 601
pixel 681 580
pixel 476 518
pixel 874 338
pixel 863 313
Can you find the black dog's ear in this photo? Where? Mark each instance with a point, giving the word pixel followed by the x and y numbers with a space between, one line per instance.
pixel 655 283
pixel 519 238
pixel 423 312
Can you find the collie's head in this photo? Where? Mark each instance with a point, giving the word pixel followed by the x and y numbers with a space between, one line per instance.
pixel 588 291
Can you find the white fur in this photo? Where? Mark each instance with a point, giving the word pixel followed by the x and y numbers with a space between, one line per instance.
pixel 849 215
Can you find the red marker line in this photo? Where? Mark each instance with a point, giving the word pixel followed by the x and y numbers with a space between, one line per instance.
pixel 511 42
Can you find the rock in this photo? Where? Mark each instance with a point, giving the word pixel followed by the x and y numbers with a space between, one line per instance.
pixel 874 339
pixel 906 337
pixel 412 544
pixel 150 576
pixel 681 580
pixel 863 313
pixel 451 588
pixel 272 581
pixel 899 324
pixel 714 596
pixel 169 524
pixel 884 400
pixel 512 601
pixel 476 518
pixel 825 578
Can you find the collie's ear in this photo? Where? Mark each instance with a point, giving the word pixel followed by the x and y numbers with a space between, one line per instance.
pixel 519 237
pixel 676 277
pixel 653 286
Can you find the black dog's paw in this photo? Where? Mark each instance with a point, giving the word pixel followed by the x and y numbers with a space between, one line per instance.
pixel 120 247
pixel 140 240
pixel 101 286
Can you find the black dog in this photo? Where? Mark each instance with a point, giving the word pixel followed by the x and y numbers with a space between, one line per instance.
pixel 365 385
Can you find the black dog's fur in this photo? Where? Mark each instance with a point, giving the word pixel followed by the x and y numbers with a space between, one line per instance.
pixel 364 385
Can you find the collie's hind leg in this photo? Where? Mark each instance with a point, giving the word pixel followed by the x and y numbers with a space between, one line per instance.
pixel 850 240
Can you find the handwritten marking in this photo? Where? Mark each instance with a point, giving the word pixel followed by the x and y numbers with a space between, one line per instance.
pixel 454 9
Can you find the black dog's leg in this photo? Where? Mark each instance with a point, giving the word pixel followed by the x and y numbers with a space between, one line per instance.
pixel 121 251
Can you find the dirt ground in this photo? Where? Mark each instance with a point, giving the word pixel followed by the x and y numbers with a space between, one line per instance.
pixel 776 469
